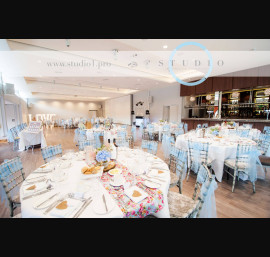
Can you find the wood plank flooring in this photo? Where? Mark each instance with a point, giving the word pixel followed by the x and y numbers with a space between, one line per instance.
pixel 240 204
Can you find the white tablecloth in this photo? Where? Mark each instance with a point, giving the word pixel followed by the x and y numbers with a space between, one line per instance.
pixel 70 185
pixel 31 138
pixel 218 152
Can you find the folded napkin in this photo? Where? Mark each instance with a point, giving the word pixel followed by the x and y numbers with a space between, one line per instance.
pixel 69 206
pixel 33 188
pixel 162 166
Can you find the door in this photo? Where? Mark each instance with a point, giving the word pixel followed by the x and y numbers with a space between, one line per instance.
pixel 166 113
pixel 92 114
pixel 11 115
pixel 174 113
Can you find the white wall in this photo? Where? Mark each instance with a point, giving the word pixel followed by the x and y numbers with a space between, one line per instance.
pixel 166 96
pixel 64 109
pixel 119 109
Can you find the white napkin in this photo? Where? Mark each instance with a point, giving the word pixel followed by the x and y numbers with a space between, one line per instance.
pixel 72 204
pixel 39 187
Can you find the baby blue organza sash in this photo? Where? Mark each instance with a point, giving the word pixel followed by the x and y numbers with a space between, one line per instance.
pixel 196 158
pixel 133 131
pixel 253 167
pixel 166 145
pixel 209 206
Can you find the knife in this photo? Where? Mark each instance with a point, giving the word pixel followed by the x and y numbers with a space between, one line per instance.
pixel 85 204
pixel 48 199
pixel 104 201
pixel 39 193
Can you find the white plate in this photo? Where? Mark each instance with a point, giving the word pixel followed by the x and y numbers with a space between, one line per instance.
pixel 48 167
pixel 154 172
pixel 110 172
pixel 129 193
pixel 40 186
pixel 43 198
pixel 73 206
pixel 151 184
pixel 89 176
pixel 116 185
pixel 99 207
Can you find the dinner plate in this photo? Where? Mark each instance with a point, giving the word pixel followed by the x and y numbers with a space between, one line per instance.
pixel 154 172
pixel 151 184
pixel 115 171
pixel 129 192
pixel 73 206
pixel 98 205
pixel 90 176
pixel 112 183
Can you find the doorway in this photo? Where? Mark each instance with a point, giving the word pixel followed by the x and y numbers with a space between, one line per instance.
pixel 92 114
pixel 11 115
pixel 166 113
pixel 174 113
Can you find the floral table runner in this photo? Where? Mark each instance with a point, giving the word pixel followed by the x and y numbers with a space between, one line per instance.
pixel 153 203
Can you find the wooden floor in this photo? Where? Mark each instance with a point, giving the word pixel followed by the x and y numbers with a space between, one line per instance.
pixel 240 204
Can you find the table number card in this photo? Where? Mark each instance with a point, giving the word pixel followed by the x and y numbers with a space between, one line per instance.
pixel 34 126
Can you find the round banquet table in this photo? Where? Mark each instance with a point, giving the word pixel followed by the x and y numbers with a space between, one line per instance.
pixel 122 206
pixel 219 150
pixel 29 138
pixel 158 128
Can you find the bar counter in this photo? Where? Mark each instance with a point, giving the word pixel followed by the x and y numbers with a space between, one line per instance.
pixel 257 123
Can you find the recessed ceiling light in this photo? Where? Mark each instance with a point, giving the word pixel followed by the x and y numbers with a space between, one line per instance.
pixel 165 46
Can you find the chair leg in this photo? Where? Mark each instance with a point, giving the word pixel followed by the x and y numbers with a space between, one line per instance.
pixel 188 173
pixel 253 185
pixel 11 209
pixel 234 178
pixel 180 186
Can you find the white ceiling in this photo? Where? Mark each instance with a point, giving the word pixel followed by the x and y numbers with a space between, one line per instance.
pixel 111 85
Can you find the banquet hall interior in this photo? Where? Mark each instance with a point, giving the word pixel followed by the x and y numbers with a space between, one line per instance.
pixel 134 128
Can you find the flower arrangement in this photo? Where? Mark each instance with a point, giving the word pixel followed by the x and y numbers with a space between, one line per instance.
pixel 103 155
pixel 215 130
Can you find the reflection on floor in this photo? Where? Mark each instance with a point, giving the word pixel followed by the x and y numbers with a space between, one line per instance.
pixel 240 204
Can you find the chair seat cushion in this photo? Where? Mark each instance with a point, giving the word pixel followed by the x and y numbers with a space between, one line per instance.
pixel 16 199
pixel 231 163
pixel 174 178
pixel 181 206
pixel 265 160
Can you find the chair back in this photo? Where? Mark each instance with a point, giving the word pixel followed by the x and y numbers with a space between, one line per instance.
pixel 49 152
pixel 178 162
pixel 198 154
pixel 205 185
pixel 243 133
pixel 84 143
pixel 121 134
pixel 186 127
pixel 266 129
pixel 205 125
pixel 264 143
pixel 247 125
pixel 150 145
pixel 14 133
pixel 11 176
pixel 81 134
pixel 122 142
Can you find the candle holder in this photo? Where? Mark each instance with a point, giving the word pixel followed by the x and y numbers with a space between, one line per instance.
pixel 267 113
pixel 209 112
